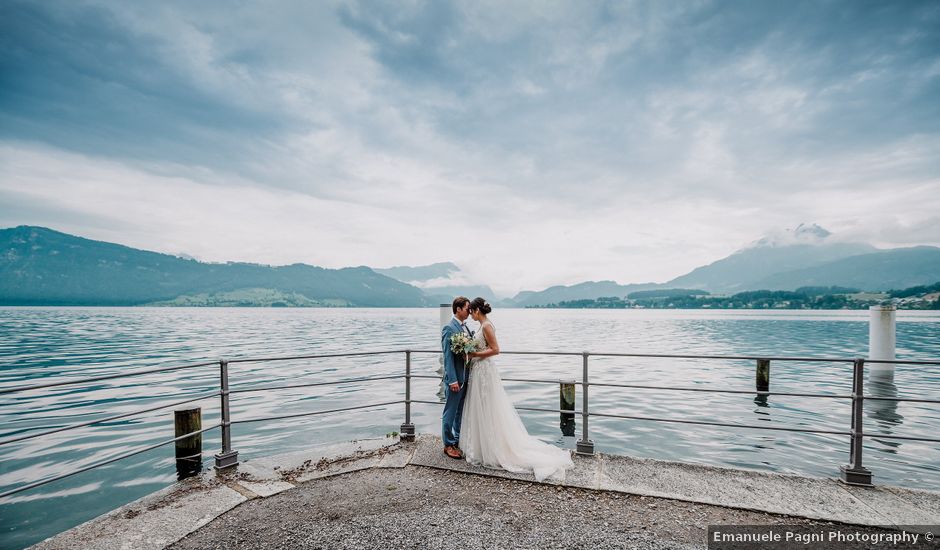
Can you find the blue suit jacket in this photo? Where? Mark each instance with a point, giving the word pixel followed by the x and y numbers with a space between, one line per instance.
pixel 453 363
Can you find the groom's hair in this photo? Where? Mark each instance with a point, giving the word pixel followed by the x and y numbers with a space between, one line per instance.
pixel 459 302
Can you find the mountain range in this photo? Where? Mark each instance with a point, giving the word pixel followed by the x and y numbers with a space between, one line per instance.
pixel 40 266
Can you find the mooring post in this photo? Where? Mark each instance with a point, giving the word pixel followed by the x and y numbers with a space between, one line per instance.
pixel 763 382
pixel 188 449
pixel 763 375
pixel 882 336
pixel 407 431
pixel 227 458
pixel 566 398
pixel 854 473
pixel 584 446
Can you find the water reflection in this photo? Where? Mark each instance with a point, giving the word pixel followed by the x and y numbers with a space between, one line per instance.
pixel 883 412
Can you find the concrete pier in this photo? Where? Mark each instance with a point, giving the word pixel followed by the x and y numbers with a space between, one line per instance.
pixel 363 490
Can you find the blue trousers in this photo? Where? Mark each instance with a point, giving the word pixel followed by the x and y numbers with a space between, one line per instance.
pixel 453 415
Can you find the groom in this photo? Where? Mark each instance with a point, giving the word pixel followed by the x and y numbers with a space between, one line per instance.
pixel 454 378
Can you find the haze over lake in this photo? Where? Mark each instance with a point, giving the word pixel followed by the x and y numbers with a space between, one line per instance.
pixel 47 344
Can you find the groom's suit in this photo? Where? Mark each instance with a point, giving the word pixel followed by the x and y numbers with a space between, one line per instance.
pixel 453 372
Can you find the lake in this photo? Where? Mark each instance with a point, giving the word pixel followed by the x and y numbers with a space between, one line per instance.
pixel 39 345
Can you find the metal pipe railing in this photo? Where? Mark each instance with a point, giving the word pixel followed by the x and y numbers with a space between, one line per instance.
pixel 854 472
pixel 314 413
pixel 727 357
pixel 103 377
pixel 108 419
pixel 313 384
pixel 103 462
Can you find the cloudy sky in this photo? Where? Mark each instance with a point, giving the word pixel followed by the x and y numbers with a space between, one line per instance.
pixel 533 143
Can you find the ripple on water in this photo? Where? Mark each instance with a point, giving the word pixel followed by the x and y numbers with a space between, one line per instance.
pixel 50 344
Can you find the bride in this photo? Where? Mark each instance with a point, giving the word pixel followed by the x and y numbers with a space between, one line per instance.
pixel 492 434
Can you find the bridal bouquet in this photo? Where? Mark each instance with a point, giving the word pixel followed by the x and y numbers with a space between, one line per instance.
pixel 462 343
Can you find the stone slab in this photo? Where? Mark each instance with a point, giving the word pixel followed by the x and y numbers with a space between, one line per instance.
pixel 265 489
pixel 152 522
pixel 398 457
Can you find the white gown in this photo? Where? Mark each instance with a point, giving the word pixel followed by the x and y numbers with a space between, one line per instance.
pixel 492 434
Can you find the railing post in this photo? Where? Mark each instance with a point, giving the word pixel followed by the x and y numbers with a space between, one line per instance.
pixel 227 458
pixel 854 473
pixel 407 429
pixel 585 446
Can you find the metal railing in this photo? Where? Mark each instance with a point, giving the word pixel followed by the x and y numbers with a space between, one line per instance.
pixel 852 473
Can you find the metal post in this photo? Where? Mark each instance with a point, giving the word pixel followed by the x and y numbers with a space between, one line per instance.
pixel 585 446
pixel 854 473
pixel 407 429
pixel 227 458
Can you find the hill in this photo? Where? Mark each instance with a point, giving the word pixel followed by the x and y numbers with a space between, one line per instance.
pixel 883 270
pixel 39 266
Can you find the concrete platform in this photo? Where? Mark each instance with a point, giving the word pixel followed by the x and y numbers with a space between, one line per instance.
pixel 163 518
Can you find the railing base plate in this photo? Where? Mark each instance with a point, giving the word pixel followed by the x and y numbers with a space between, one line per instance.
pixel 226 460
pixel 585 448
pixel 407 432
pixel 859 476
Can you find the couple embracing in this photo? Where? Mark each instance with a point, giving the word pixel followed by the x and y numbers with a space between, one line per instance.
pixel 480 422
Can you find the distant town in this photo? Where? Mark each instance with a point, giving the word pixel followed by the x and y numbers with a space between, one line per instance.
pixel 918 297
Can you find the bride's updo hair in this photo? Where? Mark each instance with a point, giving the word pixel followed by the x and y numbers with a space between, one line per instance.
pixel 481 305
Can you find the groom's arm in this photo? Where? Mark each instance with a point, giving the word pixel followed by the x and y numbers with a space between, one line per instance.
pixel 450 371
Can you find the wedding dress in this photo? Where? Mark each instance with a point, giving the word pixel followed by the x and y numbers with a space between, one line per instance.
pixel 492 434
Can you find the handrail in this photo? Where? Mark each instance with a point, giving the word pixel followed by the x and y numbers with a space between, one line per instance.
pixel 317 356
pixel 103 463
pixel 108 419
pixel 727 357
pixel 104 377
pixel 228 457
pixel 298 415
pixel 332 383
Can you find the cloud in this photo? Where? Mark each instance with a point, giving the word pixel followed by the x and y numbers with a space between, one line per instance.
pixel 531 143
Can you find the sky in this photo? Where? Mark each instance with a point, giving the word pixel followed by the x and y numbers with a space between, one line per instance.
pixel 532 143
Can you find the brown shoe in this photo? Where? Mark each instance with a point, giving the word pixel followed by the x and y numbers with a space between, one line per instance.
pixel 451 452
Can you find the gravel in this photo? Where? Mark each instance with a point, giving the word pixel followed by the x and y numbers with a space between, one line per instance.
pixel 418 507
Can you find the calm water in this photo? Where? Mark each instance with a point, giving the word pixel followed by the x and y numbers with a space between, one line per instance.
pixel 47 344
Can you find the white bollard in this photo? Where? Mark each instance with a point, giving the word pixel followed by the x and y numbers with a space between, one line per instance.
pixel 881 339
pixel 446 314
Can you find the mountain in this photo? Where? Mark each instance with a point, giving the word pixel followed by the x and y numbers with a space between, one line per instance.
pixel 39 266
pixel 804 247
pixel 882 270
pixel 424 273
pixel 441 282
pixel 785 260
pixel 582 291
